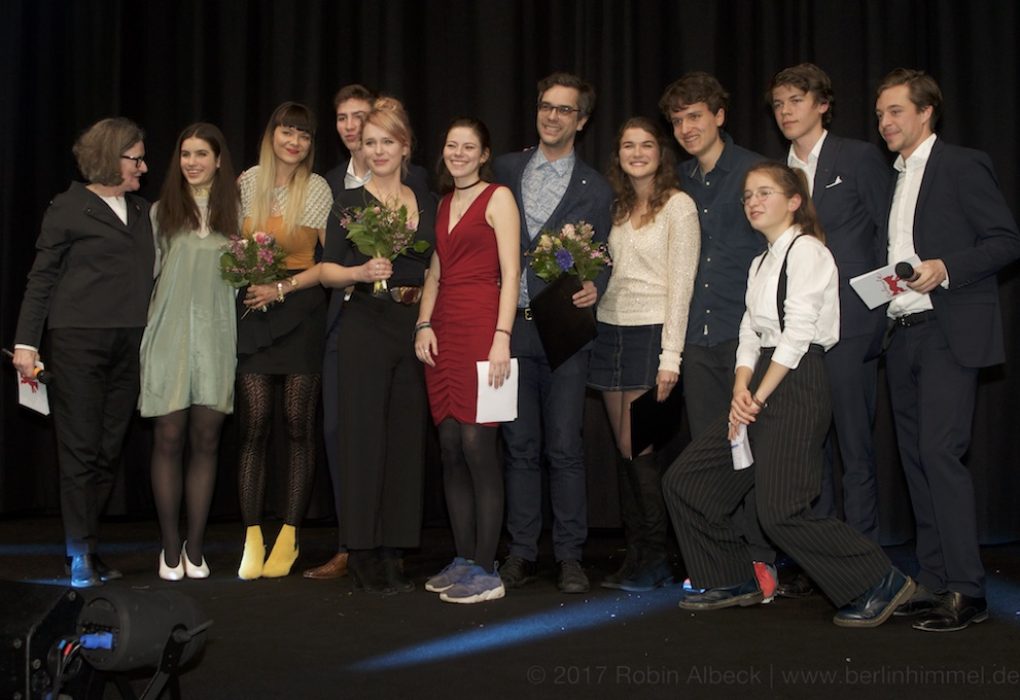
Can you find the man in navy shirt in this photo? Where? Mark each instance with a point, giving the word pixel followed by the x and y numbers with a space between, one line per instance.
pixel 696 107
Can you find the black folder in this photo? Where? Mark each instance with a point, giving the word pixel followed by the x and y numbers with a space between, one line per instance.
pixel 654 423
pixel 563 328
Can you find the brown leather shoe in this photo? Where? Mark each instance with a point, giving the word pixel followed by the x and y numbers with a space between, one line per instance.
pixel 334 568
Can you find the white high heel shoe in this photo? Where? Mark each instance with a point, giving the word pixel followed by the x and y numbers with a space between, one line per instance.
pixel 170 573
pixel 193 570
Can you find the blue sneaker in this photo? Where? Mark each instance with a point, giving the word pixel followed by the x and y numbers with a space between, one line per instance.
pixel 449 576
pixel 477 586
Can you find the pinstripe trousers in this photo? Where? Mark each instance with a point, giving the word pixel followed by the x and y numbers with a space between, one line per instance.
pixel 702 491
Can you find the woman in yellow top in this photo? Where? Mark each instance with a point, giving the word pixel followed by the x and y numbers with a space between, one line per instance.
pixel 280 331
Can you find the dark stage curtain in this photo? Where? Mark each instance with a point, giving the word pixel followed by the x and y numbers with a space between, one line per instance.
pixel 165 64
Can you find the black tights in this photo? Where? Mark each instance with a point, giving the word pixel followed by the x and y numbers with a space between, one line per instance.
pixel 199 427
pixel 255 405
pixel 473 483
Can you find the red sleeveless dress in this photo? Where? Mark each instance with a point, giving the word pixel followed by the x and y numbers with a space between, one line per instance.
pixel 464 318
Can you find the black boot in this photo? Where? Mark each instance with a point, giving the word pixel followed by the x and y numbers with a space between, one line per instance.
pixel 653 568
pixel 393 571
pixel 366 569
pixel 630 514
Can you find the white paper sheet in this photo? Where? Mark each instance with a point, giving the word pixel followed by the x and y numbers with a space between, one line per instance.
pixel 32 393
pixel 496 405
pixel 881 285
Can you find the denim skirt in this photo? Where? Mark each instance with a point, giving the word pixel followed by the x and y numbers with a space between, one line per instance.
pixel 625 357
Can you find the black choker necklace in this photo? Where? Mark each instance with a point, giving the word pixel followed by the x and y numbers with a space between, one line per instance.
pixel 467 187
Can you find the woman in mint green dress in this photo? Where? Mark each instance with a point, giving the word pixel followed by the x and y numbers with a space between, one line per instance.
pixel 188 354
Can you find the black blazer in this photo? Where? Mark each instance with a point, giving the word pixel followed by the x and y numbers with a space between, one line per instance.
pixel 963 219
pixel 90 270
pixel 588 198
pixel 851 193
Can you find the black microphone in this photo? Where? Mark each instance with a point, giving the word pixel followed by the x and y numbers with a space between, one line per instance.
pixel 40 375
pixel 905 271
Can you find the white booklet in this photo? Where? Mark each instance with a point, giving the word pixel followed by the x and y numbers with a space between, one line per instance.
pixel 32 393
pixel 496 405
pixel 881 285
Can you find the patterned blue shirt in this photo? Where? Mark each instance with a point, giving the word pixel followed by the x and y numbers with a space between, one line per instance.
pixel 543 185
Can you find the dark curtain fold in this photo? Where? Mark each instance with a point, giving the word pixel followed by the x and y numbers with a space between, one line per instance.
pixel 165 64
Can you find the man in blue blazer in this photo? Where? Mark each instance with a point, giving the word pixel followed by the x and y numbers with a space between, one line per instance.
pixel 850 184
pixel 553 187
pixel 946 208
pixel 352 104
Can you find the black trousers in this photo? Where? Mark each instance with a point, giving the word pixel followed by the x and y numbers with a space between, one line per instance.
pixel 933 406
pixel 708 388
pixel 702 491
pixel 92 398
pixel 381 418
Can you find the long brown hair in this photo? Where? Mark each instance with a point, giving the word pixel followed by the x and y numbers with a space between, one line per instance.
pixel 177 210
pixel 665 175
pixel 793 181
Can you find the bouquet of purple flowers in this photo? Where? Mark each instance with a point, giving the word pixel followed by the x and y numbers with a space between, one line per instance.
pixel 255 260
pixel 381 232
pixel 570 251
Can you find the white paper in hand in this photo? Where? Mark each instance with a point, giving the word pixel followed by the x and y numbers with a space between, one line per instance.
pixel 32 393
pixel 496 405
pixel 880 286
pixel 740 446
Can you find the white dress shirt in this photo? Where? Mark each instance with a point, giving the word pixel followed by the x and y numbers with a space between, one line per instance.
pixel 811 166
pixel 901 224
pixel 812 302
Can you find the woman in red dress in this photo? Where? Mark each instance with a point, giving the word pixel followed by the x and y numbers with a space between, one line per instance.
pixel 466 315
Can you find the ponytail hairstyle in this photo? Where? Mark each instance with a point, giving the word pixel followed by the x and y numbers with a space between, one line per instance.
pixel 793 181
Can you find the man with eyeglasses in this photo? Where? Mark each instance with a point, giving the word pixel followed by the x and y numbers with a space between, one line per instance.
pixel 695 106
pixel 352 103
pixel 849 182
pixel 553 187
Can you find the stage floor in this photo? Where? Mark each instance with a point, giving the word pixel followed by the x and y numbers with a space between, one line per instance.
pixel 297 638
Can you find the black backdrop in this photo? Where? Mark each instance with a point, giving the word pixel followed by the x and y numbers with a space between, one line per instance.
pixel 165 64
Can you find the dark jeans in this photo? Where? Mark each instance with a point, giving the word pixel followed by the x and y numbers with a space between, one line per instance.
pixel 550 416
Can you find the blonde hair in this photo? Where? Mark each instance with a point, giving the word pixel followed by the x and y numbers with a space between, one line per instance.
pixel 295 116
pixel 388 114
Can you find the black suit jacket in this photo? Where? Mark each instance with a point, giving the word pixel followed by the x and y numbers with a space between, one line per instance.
pixel 90 270
pixel 588 198
pixel 962 218
pixel 851 193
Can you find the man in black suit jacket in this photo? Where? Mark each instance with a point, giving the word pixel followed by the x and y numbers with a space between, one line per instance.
pixel 552 187
pixel 850 185
pixel 946 208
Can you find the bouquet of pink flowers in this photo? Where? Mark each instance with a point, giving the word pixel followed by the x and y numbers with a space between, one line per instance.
pixel 570 251
pixel 381 232
pixel 255 260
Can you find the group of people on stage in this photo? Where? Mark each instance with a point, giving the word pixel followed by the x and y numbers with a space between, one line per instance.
pixel 729 271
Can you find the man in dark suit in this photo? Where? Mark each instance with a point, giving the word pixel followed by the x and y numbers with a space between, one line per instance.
pixel 552 187
pixel 352 104
pixel 948 210
pixel 850 185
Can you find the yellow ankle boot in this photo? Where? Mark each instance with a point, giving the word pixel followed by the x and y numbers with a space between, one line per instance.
pixel 254 553
pixel 284 554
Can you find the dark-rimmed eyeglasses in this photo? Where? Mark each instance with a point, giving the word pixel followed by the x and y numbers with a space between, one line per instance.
pixel 137 159
pixel 562 110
